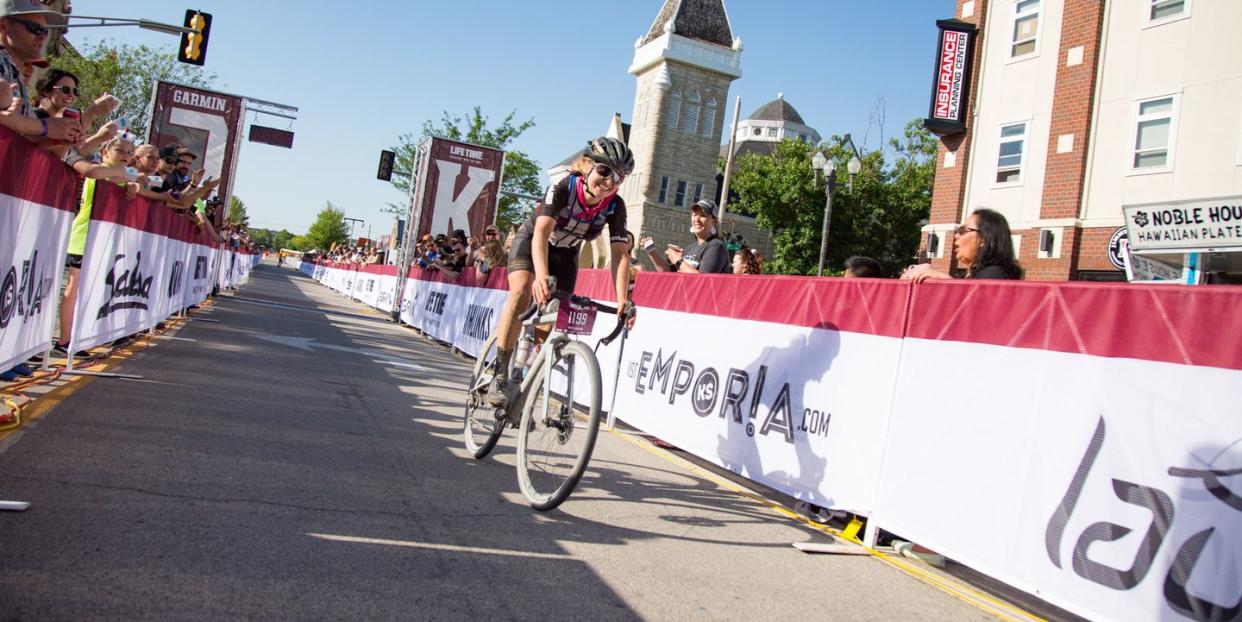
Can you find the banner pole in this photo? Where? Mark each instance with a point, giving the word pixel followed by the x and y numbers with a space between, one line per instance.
pixel 612 407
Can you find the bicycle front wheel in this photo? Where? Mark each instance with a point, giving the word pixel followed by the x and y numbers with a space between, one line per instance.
pixel 560 421
pixel 482 428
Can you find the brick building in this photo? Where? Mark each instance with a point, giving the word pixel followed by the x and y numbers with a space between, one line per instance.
pixel 1080 109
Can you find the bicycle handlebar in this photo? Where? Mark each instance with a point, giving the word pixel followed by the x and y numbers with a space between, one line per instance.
pixel 621 320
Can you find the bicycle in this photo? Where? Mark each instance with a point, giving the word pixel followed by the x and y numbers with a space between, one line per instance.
pixel 559 396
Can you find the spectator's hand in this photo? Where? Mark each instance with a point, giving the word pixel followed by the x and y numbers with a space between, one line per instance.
pixel 674 253
pixel 647 244
pixel 197 177
pixel 109 130
pixel 102 105
pixel 539 289
pixel 921 272
pixel 142 180
pixel 63 129
pixel 131 190
pixel 8 98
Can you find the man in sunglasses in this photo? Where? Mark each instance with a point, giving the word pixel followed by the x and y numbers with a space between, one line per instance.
pixel 574 211
pixel 23 33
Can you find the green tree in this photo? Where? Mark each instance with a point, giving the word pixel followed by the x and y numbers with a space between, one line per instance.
pixel 128 72
pixel 237 212
pixel 521 173
pixel 879 217
pixel 301 243
pixel 329 228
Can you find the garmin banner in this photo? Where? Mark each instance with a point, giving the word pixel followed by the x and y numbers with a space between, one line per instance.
pixel 134 269
pixel 36 211
pixel 1087 452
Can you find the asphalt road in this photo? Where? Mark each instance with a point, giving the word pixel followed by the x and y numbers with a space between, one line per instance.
pixel 255 474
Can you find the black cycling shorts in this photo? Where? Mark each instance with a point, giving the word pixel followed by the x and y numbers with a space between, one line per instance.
pixel 73 261
pixel 562 262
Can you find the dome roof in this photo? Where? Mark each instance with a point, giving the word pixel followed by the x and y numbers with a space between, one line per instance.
pixel 777 110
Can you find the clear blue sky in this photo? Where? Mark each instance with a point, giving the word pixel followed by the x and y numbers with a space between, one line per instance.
pixel 362 74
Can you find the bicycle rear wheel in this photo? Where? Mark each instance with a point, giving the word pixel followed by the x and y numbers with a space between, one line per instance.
pixel 482 428
pixel 558 430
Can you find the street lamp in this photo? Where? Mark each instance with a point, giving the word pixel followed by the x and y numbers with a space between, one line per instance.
pixel 820 163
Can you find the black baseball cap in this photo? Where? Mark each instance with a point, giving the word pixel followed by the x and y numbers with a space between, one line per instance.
pixel 706 206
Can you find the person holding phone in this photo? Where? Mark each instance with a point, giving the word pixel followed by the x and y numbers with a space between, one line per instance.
pixel 58 92
pixel 707 256
pixel 573 211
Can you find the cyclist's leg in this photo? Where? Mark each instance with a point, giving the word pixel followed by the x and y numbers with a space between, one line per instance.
pixel 521 274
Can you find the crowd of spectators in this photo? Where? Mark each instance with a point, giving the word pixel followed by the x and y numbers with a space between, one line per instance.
pixel 91 139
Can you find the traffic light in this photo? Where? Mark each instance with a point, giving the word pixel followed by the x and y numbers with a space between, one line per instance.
pixel 193 49
pixel 387 159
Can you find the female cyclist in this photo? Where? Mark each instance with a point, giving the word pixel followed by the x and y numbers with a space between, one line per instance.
pixel 574 210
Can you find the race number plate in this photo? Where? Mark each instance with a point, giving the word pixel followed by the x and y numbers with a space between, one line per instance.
pixel 575 319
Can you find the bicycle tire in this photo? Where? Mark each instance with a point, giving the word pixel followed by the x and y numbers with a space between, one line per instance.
pixel 481 429
pixel 539 438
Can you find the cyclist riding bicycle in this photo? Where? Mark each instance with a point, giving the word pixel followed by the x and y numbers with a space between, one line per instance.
pixel 574 210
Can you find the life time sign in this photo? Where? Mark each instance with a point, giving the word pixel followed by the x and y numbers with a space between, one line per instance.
pixel 1186 226
pixel 951 86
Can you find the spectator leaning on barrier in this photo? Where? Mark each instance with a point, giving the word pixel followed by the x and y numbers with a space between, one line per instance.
pixel 58 91
pixel 708 255
pixel 983 244
pixel 117 154
pixel 862 268
pixel 23 33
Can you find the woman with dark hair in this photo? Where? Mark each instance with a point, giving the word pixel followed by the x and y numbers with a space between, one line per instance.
pixel 983 244
pixel 58 92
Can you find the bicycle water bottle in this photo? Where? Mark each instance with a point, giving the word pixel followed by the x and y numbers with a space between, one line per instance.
pixel 520 356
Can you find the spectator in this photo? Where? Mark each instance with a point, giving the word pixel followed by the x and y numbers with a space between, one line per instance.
pixel 708 255
pixel 490 233
pixel 117 154
pixel 58 91
pixel 747 261
pixel 862 268
pixel 23 33
pixel 983 245
pixel 490 255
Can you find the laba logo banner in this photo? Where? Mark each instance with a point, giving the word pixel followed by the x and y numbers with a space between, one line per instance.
pixel 1162 512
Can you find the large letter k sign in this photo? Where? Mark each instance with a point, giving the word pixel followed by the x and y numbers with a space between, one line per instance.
pixel 457 208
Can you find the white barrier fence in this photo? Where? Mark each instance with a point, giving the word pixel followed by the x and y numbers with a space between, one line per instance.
pixel 1048 435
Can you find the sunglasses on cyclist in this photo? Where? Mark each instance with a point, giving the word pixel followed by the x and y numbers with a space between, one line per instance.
pixel 603 170
pixel 66 90
pixel 963 230
pixel 33 28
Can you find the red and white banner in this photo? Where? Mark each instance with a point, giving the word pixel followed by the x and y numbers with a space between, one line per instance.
pixel 36 211
pixel 143 262
pixel 1080 442
pixel 785 381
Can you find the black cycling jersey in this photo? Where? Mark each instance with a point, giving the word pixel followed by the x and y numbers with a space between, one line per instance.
pixel 575 221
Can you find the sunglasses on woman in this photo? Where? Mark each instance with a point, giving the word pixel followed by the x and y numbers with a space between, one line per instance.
pixel 66 90
pixel 963 230
pixel 33 28
pixel 603 170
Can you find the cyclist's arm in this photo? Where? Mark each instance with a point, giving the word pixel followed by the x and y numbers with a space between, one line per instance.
pixel 539 256
pixel 621 271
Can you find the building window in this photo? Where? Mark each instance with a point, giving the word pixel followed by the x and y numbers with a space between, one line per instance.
pixel 758 132
pixel 709 118
pixel 674 109
pixel 680 198
pixel 1025 28
pixel 691 124
pixel 771 132
pixel 663 189
pixel 1153 134
pixel 1165 9
pixel 698 193
pixel 1009 162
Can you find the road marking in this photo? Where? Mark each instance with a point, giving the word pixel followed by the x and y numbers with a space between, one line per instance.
pixel 438 547
pixel 949 585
